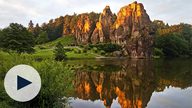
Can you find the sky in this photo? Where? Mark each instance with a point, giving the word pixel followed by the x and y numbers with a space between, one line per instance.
pixel 40 11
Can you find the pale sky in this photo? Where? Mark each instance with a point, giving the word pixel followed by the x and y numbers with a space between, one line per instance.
pixel 39 11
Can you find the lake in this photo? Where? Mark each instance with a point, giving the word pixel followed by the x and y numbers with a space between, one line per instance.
pixel 158 83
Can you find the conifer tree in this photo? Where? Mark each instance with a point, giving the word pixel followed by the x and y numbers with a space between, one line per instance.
pixel 59 52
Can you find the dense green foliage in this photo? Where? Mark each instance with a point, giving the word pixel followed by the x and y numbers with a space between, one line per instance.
pixel 42 37
pixel 107 47
pixel 17 37
pixel 56 80
pixel 59 52
pixel 173 40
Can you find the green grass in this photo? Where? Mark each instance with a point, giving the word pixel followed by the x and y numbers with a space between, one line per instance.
pixel 70 54
pixel 82 55
pixel 65 41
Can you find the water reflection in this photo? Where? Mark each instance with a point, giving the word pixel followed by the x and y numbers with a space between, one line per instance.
pixel 132 82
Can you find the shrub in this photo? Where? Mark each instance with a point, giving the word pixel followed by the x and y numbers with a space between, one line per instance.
pixel 158 52
pixel 68 49
pixel 86 47
pixel 102 52
pixel 84 51
pixel 89 48
pixel 80 45
pixel 41 47
pixel 93 45
pixel 106 55
pixel 95 49
pixel 56 80
pixel 75 51
pixel 109 47
pixel 79 51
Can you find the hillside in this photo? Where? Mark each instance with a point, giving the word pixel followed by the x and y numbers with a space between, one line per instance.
pixel 65 41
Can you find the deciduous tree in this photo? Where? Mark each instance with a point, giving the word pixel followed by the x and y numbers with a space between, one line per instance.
pixel 42 37
pixel 17 37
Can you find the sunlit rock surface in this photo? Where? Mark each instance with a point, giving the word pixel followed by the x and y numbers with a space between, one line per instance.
pixel 84 30
pixel 134 30
pixel 102 30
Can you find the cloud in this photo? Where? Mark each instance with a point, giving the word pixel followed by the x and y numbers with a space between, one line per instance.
pixel 39 11
pixel 171 98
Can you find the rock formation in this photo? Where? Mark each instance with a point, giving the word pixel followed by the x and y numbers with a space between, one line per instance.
pixel 84 30
pixel 102 30
pixel 134 30
pixel 66 32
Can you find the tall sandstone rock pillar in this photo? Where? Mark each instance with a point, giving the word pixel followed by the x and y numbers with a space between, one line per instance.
pixel 84 30
pixel 134 30
pixel 102 30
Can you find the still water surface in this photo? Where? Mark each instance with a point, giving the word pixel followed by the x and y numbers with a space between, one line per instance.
pixel 159 83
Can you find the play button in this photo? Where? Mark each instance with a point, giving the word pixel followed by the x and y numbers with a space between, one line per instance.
pixel 22 83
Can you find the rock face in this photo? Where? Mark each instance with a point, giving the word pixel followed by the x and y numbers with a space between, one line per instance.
pixel 117 54
pixel 84 30
pixel 134 30
pixel 102 30
pixel 66 32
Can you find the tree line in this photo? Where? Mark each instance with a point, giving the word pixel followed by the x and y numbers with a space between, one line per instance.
pixel 173 40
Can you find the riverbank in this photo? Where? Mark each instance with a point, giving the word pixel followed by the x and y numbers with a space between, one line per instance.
pixel 73 53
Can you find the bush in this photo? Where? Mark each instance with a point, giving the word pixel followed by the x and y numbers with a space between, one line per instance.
pixel 102 52
pixel 106 55
pixel 68 49
pixel 93 45
pixel 158 52
pixel 89 48
pixel 56 80
pixel 84 51
pixel 107 47
pixel 86 47
pixel 41 47
pixel 80 45
pixel 75 51
pixel 79 51
pixel 95 49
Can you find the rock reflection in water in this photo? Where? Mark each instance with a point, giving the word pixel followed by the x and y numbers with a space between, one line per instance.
pixel 133 84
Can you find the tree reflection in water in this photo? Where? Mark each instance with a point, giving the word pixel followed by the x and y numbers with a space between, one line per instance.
pixel 133 84
pixel 132 81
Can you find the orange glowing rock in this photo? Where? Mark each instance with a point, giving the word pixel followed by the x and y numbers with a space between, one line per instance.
pixel 102 30
pixel 83 29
